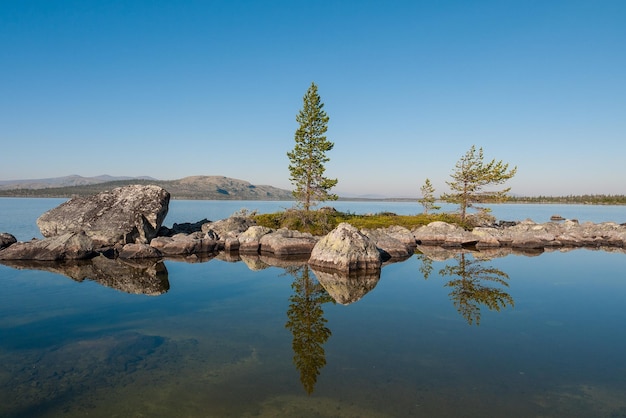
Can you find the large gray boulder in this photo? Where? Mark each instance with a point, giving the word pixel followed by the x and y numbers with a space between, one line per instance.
pixel 69 246
pixel 345 249
pixel 120 216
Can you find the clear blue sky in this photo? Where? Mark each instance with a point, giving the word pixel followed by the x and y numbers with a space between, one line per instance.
pixel 170 89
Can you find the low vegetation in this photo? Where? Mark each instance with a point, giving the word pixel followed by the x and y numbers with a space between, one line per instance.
pixel 323 221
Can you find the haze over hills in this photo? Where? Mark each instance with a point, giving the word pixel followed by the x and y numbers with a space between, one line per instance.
pixel 194 187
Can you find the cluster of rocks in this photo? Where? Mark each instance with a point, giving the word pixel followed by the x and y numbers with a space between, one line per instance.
pixel 127 223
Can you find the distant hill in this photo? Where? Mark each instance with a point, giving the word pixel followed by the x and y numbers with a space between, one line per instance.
pixel 67 181
pixel 190 188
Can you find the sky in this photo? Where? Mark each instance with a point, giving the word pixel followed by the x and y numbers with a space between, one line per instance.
pixel 170 89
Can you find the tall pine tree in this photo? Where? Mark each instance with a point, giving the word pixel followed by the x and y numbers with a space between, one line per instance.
pixel 308 156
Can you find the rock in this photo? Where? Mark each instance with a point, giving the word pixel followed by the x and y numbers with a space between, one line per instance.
pixel 69 246
pixel 249 241
pixel 444 234
pixel 393 242
pixel 229 227
pixel 139 251
pixel 345 249
pixel 185 244
pixel 6 240
pixel 184 228
pixel 123 215
pixel 347 288
pixel 285 242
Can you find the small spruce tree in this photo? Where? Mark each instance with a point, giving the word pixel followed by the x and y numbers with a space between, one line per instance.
pixel 428 197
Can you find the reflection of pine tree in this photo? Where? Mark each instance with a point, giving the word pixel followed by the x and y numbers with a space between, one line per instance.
pixel 307 324
pixel 468 291
pixel 427 265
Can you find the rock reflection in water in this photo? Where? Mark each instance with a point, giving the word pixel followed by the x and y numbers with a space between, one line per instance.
pixel 143 277
pixel 347 288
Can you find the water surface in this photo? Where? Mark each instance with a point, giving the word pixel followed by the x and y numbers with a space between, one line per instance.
pixel 446 336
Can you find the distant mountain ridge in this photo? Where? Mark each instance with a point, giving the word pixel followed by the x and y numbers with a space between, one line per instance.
pixel 191 188
pixel 65 181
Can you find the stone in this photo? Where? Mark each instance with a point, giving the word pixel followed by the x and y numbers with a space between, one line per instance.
pixel 345 249
pixel 443 233
pixel 69 246
pixel 182 228
pixel 139 251
pixel 249 241
pixel 185 244
pixel 123 215
pixel 6 240
pixel 285 242
pixel 390 246
pixel 229 227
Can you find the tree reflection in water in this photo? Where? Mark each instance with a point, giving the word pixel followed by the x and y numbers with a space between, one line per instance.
pixel 470 289
pixel 308 325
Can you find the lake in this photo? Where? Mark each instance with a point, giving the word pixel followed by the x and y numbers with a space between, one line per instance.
pixel 447 336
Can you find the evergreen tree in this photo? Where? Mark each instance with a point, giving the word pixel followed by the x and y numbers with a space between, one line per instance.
pixel 428 197
pixel 470 177
pixel 308 156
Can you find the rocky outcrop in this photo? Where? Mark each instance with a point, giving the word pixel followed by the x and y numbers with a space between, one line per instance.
pixel 69 246
pixel 123 215
pixel 6 240
pixel 345 249
pixel 530 235
pixel 285 242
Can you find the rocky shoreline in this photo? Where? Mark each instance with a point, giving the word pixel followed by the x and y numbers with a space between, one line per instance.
pixel 126 223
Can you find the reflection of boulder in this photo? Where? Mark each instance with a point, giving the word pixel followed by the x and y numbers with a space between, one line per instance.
pixel 144 277
pixel 120 216
pixel 347 288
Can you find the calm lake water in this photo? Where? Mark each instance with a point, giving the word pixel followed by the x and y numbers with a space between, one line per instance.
pixel 450 335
